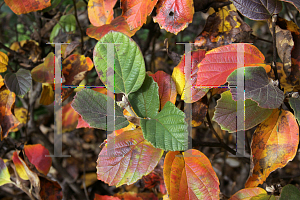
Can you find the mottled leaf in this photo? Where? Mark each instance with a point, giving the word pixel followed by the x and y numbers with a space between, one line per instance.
pixel 129 65
pixel 105 197
pixel 145 101
pixel 222 28
pixel 69 118
pixel 257 87
pixel 3 62
pixel 95 112
pixel 247 193
pixel 167 130
pixel 258 9
pixel 19 82
pixel 44 73
pixel 178 76
pixel 21 115
pixel 274 144
pixel 136 196
pixel 118 24
pixel 135 12
pixel 129 158
pixel 220 62
pixel 23 7
pixel 7 120
pixel 4 174
pixel 295 104
pixel 166 87
pixel 47 96
pixel 101 11
pixel 226 113
pixel 190 176
pixel 50 189
pixel 289 192
pixel 199 110
pixel 174 15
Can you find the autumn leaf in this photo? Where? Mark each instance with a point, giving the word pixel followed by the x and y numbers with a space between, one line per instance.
pixel 19 166
pixel 295 104
pixel 190 176
pixel 131 158
pixel 105 197
pixel 199 110
pixel 47 96
pixel 50 189
pixel 259 9
pixel 7 120
pixel 247 193
pixel 3 62
pixel 44 73
pixel 222 28
pixel 23 7
pixel 274 144
pixel 136 196
pixel 4 174
pixel 101 12
pixel 69 118
pixel 174 15
pixel 179 77
pixel 118 24
pixel 135 12
pixel 226 113
pixel 1 81
pixel 220 62
pixel 257 87
pixel 21 115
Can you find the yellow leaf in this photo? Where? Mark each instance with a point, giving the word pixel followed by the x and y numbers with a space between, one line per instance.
pixel 3 62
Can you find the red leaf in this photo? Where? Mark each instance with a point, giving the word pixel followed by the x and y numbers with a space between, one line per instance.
pixel 101 11
pixel 37 156
pixel 220 62
pixel 174 15
pixel 118 24
pixel 135 12
pixel 50 190
pixel 167 88
pixel 105 197
pixel 69 118
pixel 22 7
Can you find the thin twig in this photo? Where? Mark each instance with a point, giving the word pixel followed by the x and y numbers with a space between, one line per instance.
pixel 274 67
pixel 79 26
pixel 258 38
pixel 212 128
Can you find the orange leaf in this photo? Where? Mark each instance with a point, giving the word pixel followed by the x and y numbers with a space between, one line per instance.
pixel 131 158
pixel 166 87
pixel 220 62
pixel 136 196
pixel 190 176
pixel 22 7
pixel 1 81
pixel 274 144
pixel 101 11
pixel 69 118
pixel 174 15
pixel 37 156
pixel 3 62
pixel 135 12
pixel 179 77
pixel 247 194
pixel 7 120
pixel 105 197
pixel 118 24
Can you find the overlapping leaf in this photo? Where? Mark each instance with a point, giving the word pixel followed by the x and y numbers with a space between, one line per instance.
pixel 135 12
pixel 67 23
pixel 247 193
pixel 220 62
pixel 295 104
pixel 222 28
pixel 23 7
pixel 95 112
pixel 258 9
pixel 167 130
pixel 190 176
pixel 19 166
pixel 274 144
pixel 199 110
pixel 3 62
pixel 19 82
pixel 166 87
pixel 44 73
pixel 129 158
pixel 4 174
pixel 69 118
pixel 257 87
pixel 129 63
pixel 21 115
pixel 296 3
pixel 180 79
pixel 174 15
pixel 118 24
pixel 226 113
pixel 289 192
pixel 101 11
pixel 1 81
pixel 7 120
pixel 145 101
pixel 47 96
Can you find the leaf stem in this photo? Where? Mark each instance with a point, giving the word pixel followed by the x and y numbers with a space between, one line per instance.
pixel 79 26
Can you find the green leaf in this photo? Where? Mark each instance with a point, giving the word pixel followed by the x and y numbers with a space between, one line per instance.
pixel 4 174
pixel 129 64
pixel 167 130
pixel 263 197
pixel 257 87
pixel 226 113
pixel 92 106
pixel 19 82
pixel 67 23
pixel 290 192
pixel 54 3
pixel 145 101
pixel 295 104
